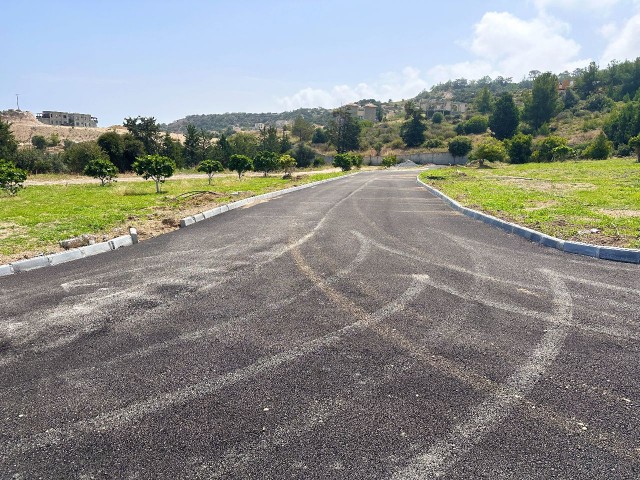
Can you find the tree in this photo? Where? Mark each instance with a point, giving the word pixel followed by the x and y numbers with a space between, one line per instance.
pixel 285 143
pixel 319 136
pixel 39 142
pixel 477 124
pixel 588 82
pixel 54 140
pixel 344 131
pixel 570 98
pixel 146 130
pixel 543 151
pixel 266 162
pixel 269 140
pixel 113 145
pixel 78 155
pixel 542 104
pixel 243 144
pixel 412 130
pixel 210 167
pixel 287 163
pixel 154 167
pixel 484 101
pixel 11 177
pixel 191 145
pixel 634 142
pixel 623 123
pixel 240 164
pixel 600 148
pixel 437 117
pixel 490 150
pixel 562 152
pixel 224 150
pixel 8 144
pixel 173 149
pixel 505 117
pixel 102 169
pixel 133 148
pixel 343 161
pixel 519 148
pixel 302 129
pixel 304 155
pixel 459 146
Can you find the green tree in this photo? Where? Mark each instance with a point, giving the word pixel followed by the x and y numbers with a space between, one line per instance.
pixel 133 148
pixel 266 162
pixel 562 152
pixel 304 155
pixel 210 167
pixel 570 98
pixel 8 144
pixel 78 155
pixel 240 164
pixel 542 104
pixel 477 124
pixel 437 117
pixel 505 117
pixel 319 136
pixel 224 149
pixel 519 148
pixel 459 146
pixel 287 163
pixel 543 150
pixel 412 130
pixel 600 148
pixel 269 140
pixel 154 167
pixel 344 131
pixel 39 142
pixel 243 143
pixel 302 129
pixel 11 177
pixel 145 129
pixel 113 145
pixel 102 169
pixel 191 147
pixel 285 143
pixel 484 101
pixel 343 161
pixel 490 150
pixel 588 82
pixel 623 123
pixel 634 143
pixel 54 140
pixel 173 149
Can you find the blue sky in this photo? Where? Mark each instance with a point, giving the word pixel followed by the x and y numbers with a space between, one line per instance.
pixel 169 59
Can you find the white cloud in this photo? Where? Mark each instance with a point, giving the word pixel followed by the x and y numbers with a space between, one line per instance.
pixel 623 42
pixel 389 85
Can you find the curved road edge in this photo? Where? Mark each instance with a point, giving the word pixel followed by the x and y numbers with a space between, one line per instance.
pixel 131 239
pixel 603 252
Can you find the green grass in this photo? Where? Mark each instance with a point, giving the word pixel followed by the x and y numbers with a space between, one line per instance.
pixel 565 199
pixel 39 216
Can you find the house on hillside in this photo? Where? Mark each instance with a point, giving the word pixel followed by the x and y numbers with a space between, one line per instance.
pixel 67 119
pixel 367 112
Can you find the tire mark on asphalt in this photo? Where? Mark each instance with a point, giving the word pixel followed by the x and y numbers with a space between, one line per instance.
pixel 124 416
pixel 486 416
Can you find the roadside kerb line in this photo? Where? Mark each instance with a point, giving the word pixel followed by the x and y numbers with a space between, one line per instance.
pixel 131 239
pixel 603 252
pixel 190 220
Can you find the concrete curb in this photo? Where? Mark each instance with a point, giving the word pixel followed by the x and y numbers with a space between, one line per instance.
pixel 131 239
pixel 627 255
pixel 198 217
pixel 68 256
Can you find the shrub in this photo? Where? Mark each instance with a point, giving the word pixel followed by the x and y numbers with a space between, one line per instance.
pixel 11 177
pixel 389 161
pixel 318 162
pixel 490 150
pixel 459 146
pixel 543 151
pixel 519 148
pixel 39 142
pixel 102 169
pixel 437 117
pixel 477 124
pixel 600 148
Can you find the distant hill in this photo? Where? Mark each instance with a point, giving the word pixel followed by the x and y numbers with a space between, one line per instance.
pixel 221 121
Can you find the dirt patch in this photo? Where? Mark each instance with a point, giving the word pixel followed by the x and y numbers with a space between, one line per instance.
pixel 621 213
pixel 540 205
pixel 545 185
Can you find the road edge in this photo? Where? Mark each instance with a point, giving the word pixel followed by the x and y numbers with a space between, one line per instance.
pixel 73 254
pixel 602 252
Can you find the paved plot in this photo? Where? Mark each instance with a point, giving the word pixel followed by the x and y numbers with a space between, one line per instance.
pixel 359 329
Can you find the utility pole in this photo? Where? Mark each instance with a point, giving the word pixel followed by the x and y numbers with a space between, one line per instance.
pixel 17 103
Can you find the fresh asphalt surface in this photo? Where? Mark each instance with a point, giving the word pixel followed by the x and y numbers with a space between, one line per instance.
pixel 359 329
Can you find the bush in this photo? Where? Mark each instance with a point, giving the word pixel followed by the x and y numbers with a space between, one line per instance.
pixel 433 143
pixel 78 155
pixel 600 148
pixel 319 162
pixel 476 125
pixel 543 151
pixel 39 142
pixel 11 177
pixel 319 136
pixel 101 169
pixel 459 146
pixel 519 148
pixel 304 155
pixel 396 143
pixel 490 150
pixel 346 161
pixel 389 161
pixel 598 102
pixel 437 117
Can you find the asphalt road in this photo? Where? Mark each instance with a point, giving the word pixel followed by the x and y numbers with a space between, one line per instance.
pixel 359 329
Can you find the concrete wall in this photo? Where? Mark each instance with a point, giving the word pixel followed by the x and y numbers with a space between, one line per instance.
pixel 437 158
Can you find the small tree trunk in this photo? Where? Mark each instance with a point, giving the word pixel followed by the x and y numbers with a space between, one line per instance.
pixel 158 186
pixel 210 179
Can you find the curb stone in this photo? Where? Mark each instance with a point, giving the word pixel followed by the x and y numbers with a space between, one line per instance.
pixel 131 239
pixel 627 255
pixel 198 217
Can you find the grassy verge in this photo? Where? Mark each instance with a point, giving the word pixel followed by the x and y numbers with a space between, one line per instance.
pixel 566 200
pixel 36 219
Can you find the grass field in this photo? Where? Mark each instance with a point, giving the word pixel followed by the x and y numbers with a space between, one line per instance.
pixel 566 199
pixel 36 219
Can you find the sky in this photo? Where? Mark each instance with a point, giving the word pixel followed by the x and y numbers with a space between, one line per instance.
pixel 169 59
